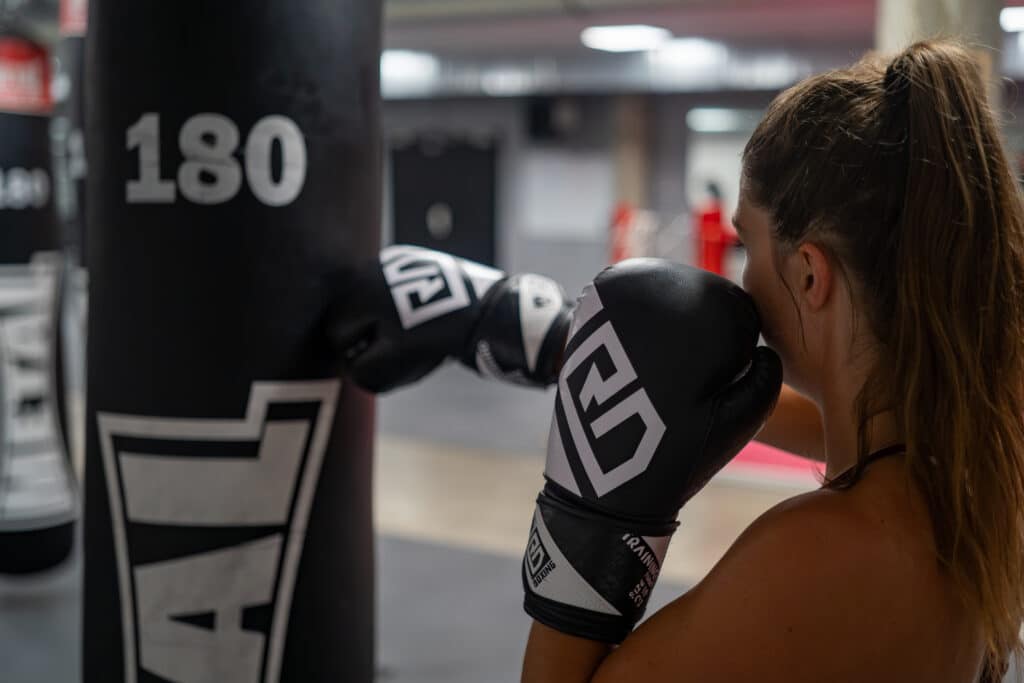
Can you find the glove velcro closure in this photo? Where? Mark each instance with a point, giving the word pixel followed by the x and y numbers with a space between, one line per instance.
pixel 588 574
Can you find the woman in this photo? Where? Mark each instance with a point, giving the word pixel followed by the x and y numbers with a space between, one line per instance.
pixel 885 240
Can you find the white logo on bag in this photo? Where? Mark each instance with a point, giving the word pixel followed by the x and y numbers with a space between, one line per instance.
pixel 602 391
pixel 157 476
pixel 35 489
pixel 416 277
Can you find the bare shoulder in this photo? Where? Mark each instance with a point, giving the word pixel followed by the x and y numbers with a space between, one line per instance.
pixel 814 555
pixel 828 527
pixel 814 572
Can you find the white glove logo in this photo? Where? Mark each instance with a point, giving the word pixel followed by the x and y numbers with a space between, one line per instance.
pixel 602 390
pixel 416 277
pixel 538 561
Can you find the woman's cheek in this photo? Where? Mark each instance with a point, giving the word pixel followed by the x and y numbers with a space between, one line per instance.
pixel 752 284
pixel 749 276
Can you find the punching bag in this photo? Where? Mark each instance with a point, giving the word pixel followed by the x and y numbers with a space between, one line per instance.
pixel 234 169
pixel 37 497
pixel 66 128
pixel 69 169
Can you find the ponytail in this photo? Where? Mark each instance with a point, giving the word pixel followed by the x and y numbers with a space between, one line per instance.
pixel 913 188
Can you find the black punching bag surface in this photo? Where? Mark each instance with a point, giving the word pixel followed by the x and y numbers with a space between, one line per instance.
pixel 68 150
pixel 234 166
pixel 37 495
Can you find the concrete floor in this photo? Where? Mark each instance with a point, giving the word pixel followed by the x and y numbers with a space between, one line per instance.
pixel 455 406
pixel 445 615
pixel 39 624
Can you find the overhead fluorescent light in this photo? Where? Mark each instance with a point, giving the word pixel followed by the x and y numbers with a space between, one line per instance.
pixel 408 67
pixel 693 53
pixel 625 38
pixel 1012 19
pixel 767 72
pixel 506 81
pixel 717 120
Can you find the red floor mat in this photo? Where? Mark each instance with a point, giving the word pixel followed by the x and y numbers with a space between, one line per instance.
pixel 760 462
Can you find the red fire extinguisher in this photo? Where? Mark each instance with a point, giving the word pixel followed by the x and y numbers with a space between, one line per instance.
pixel 714 236
pixel 622 220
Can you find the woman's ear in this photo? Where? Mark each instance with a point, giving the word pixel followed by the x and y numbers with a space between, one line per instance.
pixel 814 276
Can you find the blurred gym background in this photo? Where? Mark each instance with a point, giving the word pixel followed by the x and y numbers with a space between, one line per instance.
pixel 549 136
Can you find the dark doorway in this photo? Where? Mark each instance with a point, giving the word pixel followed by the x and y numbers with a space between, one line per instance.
pixel 443 195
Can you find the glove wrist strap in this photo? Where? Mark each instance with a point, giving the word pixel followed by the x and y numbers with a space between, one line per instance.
pixel 589 574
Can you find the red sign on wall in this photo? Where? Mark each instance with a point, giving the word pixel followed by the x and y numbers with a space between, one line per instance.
pixel 24 77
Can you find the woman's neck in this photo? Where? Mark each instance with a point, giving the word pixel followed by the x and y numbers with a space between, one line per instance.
pixel 841 438
pixel 840 420
pixel 846 367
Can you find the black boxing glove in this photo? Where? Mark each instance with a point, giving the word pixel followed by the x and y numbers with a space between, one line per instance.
pixel 397 319
pixel 662 385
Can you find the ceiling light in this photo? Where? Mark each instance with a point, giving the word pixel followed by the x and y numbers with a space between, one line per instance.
pixel 1012 19
pixel 505 81
pixel 626 38
pixel 689 52
pixel 767 72
pixel 406 66
pixel 713 120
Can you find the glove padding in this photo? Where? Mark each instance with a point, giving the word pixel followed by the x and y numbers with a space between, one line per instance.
pixel 396 320
pixel 662 385
pixel 522 331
